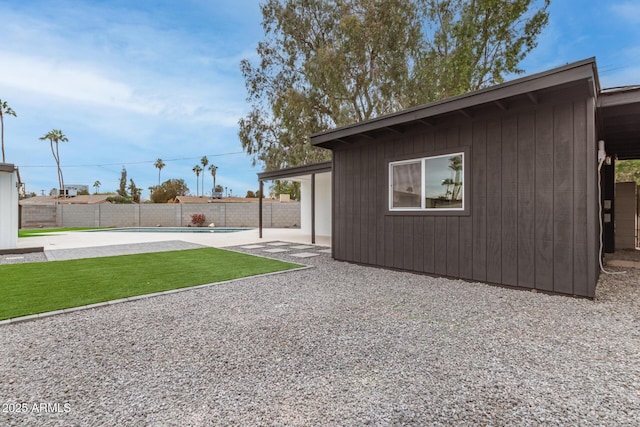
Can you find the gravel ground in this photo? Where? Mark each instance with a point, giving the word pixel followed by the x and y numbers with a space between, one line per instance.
pixel 338 344
pixel 21 258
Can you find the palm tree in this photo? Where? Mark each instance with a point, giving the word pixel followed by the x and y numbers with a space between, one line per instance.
pixel 213 168
pixel 159 164
pixel 204 162
pixel 448 182
pixel 97 185
pixel 455 164
pixel 197 169
pixel 4 109
pixel 56 135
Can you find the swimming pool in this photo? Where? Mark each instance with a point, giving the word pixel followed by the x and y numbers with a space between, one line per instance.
pixel 174 229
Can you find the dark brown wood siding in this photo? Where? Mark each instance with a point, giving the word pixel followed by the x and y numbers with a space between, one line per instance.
pixel 532 211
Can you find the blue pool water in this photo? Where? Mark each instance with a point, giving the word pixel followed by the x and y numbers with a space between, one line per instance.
pixel 174 229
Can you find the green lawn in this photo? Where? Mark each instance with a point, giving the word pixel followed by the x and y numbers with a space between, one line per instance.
pixel 39 287
pixel 39 231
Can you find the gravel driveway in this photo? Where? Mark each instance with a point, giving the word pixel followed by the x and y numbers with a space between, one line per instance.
pixel 338 344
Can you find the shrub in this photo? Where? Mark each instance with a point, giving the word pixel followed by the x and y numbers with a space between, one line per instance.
pixel 118 199
pixel 197 219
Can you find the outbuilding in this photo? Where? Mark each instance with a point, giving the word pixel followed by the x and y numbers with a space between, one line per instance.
pixel 500 185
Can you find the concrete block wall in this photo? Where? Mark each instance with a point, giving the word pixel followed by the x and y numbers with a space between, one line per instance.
pixel 275 215
pixel 165 215
pixel 237 215
pixel 284 215
pixel 80 216
pixel 35 216
pixel 116 216
pixel 213 213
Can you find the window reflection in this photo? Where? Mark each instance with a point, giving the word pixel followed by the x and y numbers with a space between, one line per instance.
pixel 443 182
pixel 428 183
pixel 407 187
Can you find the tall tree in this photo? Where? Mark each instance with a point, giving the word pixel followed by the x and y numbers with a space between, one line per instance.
pixel 324 63
pixel 169 190
pixel 197 169
pixel 204 162
pixel 329 63
pixel 159 164
pixel 291 188
pixel 96 185
pixel 135 191
pixel 4 110
pixel 213 169
pixel 122 189
pixel 471 44
pixel 55 136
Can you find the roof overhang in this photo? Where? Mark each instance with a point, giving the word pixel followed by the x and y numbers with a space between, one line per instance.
pixel 7 167
pixel 619 122
pixel 295 171
pixel 530 88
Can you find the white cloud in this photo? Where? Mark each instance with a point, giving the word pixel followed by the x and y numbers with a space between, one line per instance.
pixel 126 82
pixel 126 63
pixel 71 81
pixel 627 11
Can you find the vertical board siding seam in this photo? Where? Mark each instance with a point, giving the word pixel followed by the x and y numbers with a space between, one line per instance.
pixel 585 202
pixel 553 199
pixel 501 193
pixel 592 256
pixel 574 202
pixel 517 201
pixel 573 185
pixel 486 200
pixel 535 192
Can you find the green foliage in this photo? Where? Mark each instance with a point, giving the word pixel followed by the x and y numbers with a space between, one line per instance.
pixel 41 231
pixel 135 191
pixel 474 44
pixel 169 190
pixel 122 190
pixel 286 187
pixel 97 185
pixel 628 170
pixel 5 110
pixel 118 199
pixel 39 287
pixel 330 63
pixel 83 192
pixel 250 195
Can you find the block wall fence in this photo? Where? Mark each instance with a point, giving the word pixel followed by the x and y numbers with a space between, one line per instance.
pixel 275 215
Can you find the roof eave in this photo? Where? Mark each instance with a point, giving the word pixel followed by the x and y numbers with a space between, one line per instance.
pixel 296 171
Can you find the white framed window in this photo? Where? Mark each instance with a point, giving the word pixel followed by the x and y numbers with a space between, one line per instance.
pixel 434 183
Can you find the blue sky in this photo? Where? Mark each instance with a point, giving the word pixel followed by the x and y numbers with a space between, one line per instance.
pixel 131 81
